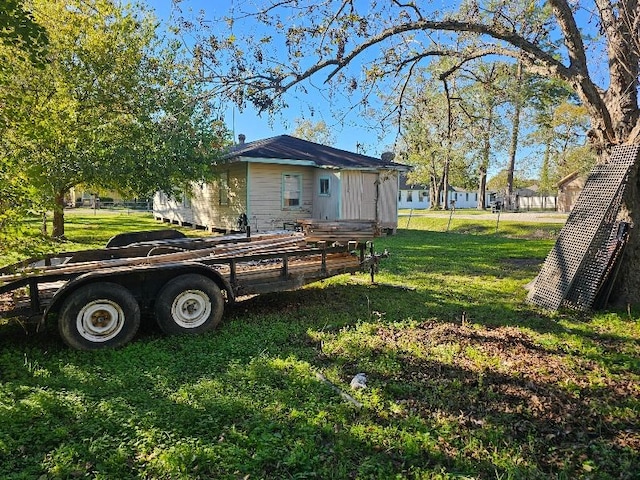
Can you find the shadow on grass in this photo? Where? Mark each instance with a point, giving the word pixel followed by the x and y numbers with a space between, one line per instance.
pixel 244 400
pixel 459 384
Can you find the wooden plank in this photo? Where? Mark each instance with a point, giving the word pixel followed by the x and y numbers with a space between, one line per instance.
pixel 274 242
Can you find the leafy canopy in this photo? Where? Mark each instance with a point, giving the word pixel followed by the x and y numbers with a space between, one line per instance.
pixel 114 107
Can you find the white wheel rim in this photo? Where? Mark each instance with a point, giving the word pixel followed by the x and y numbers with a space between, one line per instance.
pixel 100 320
pixel 191 308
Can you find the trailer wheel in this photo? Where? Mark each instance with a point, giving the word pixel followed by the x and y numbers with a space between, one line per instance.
pixel 99 315
pixel 189 303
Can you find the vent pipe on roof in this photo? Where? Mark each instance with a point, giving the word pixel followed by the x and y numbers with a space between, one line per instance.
pixel 241 138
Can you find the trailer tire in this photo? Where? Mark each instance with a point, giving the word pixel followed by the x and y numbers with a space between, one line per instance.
pixel 190 303
pixel 99 315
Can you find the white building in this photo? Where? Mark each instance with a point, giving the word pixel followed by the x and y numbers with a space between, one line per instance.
pixel 417 196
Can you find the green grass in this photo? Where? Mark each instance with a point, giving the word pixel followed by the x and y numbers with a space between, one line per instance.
pixel 469 224
pixel 83 230
pixel 465 379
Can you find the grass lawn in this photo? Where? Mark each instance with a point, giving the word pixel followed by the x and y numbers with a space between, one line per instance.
pixel 464 379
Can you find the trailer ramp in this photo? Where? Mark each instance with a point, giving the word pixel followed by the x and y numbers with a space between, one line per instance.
pixel 577 266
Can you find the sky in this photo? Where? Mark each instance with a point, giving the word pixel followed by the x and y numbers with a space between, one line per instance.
pixel 354 135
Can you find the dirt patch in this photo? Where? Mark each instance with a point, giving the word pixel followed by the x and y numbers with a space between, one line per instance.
pixel 500 376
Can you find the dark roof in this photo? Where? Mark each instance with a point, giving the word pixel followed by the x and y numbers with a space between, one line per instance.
pixel 286 147
pixel 405 185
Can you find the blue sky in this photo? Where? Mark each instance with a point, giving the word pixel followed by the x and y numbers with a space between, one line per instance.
pixel 352 135
pixel 356 133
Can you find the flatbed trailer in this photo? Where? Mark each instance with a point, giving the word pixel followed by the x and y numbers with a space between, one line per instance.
pixel 99 296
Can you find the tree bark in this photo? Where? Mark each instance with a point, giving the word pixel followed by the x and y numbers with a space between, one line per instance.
pixel 626 289
pixel 515 131
pixel 434 193
pixel 447 161
pixel 484 165
pixel 58 216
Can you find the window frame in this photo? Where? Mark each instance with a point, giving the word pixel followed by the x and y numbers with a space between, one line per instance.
pixel 326 193
pixel 284 191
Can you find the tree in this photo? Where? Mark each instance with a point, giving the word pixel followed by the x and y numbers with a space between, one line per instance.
pixel 317 132
pixel 483 95
pixel 517 95
pixel 20 37
pixel 433 138
pixel 560 127
pixel 362 45
pixel 111 108
pixel 500 180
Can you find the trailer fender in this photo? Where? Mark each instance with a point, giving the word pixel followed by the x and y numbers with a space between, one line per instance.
pixel 131 278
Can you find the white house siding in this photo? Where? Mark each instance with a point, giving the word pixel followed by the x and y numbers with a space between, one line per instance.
pixel 538 202
pixel 203 206
pixel 326 206
pixel 213 208
pixel 418 199
pixel 265 209
pixel 464 199
pixel 176 210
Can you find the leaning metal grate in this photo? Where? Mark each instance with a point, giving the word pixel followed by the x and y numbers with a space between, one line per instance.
pixel 575 267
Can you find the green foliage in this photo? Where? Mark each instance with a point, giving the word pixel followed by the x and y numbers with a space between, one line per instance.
pixel 21 33
pixel 464 379
pixel 499 181
pixel 317 132
pixel 432 141
pixel 560 128
pixel 114 108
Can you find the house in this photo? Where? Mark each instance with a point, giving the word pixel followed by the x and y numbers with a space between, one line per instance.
pixel 530 198
pixel 569 189
pixel 416 196
pixel 412 195
pixel 272 183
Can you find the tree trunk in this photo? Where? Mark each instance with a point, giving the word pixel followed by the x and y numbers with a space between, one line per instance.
pixel 515 131
pixel 545 180
pixel 482 200
pixel 447 162
pixel 484 165
pixel 58 216
pixel 434 193
pixel 626 290
pixel 445 183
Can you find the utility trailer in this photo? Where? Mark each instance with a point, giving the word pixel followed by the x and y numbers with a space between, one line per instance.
pixel 99 296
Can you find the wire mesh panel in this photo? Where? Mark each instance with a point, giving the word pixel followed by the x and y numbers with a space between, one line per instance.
pixel 576 266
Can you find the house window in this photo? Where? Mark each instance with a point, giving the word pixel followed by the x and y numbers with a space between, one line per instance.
pixel 409 196
pixel 291 190
pixel 223 188
pixel 325 186
pixel 423 196
pixel 467 196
